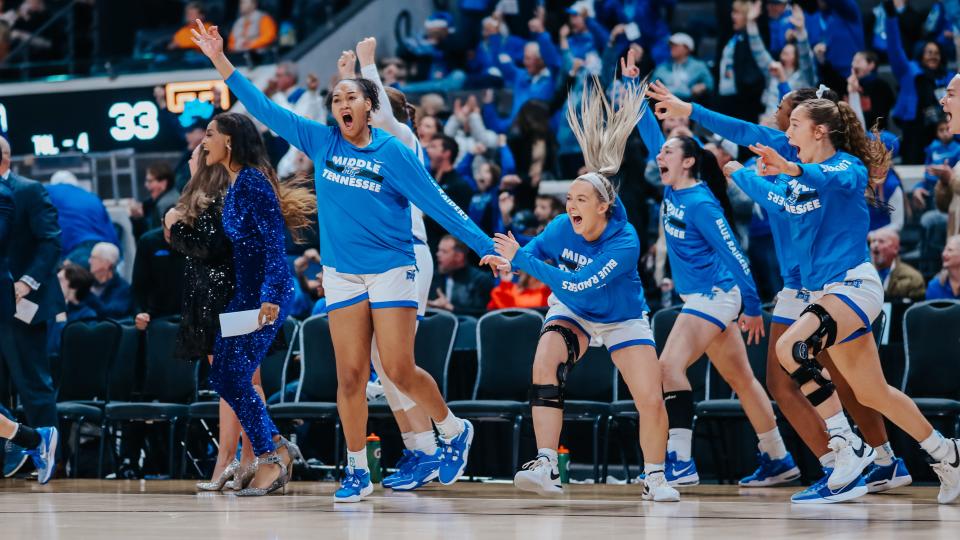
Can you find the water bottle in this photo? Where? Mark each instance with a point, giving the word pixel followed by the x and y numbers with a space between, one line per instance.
pixel 563 463
pixel 373 458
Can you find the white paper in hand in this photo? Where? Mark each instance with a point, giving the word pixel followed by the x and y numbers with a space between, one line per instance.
pixel 632 31
pixel 238 323
pixel 26 310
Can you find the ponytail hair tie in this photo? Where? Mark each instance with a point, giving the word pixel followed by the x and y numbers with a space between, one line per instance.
pixel 823 88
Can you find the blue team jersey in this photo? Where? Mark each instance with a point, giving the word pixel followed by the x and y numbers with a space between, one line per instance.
pixel 597 280
pixel 702 248
pixel 827 212
pixel 363 194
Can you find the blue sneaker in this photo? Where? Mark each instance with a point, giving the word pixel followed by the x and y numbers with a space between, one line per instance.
pixel 425 468
pixel 886 477
pixel 14 458
pixel 453 461
pixel 45 456
pixel 772 472
pixel 680 473
pixel 404 465
pixel 354 486
pixel 819 493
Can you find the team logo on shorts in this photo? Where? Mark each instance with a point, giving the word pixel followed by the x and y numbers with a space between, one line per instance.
pixel 411 275
pixel 803 295
pixel 853 283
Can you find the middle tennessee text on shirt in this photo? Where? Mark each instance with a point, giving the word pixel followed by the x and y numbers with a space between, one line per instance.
pixel 703 250
pixel 829 236
pixel 596 280
pixel 363 194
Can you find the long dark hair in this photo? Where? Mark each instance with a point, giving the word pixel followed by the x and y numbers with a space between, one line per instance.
pixel 207 184
pixel 706 169
pixel 298 204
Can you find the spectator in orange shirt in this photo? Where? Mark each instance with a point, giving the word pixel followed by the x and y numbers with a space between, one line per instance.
pixel 527 292
pixel 254 29
pixel 183 39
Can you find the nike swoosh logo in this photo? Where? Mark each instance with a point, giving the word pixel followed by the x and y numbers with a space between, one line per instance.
pixel 681 472
pixel 860 451
pixel 956 453
pixel 554 476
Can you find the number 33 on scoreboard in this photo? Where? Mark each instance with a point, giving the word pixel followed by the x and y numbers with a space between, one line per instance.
pixel 134 121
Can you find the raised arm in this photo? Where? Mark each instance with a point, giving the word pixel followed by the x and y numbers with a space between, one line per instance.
pixel 763 192
pixel 899 62
pixel 382 117
pixel 757 48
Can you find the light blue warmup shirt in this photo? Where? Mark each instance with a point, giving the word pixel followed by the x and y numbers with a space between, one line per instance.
pixel 363 194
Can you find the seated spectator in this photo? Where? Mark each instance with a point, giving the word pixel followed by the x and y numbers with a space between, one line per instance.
pixel 162 196
pixel 459 286
pixel 253 30
pixel 466 126
pixel 83 219
pixel 111 293
pixel 183 38
pixel 947 196
pixel 876 96
pixel 900 280
pixel 741 82
pixel 308 291
pixel 796 66
pixel 546 208
pixel 946 284
pixel 945 150
pixel 443 151
pixel 158 272
pixel 75 282
pixel 483 205
pixel 686 76
pixel 520 291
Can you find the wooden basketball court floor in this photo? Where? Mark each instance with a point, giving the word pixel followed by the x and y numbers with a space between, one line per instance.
pixel 171 510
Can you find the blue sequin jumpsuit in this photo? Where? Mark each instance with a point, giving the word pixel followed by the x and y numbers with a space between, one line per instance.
pixel 254 223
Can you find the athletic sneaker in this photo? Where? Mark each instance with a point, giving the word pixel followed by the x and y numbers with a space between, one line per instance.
pixel 680 473
pixel 354 486
pixel 853 456
pixel 423 469
pixel 656 488
pixel 886 477
pixel 14 458
pixel 819 493
pixel 949 473
pixel 772 472
pixel 455 454
pixel 406 462
pixel 540 476
pixel 45 456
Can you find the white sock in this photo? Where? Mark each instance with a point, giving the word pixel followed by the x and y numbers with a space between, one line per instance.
pixel 450 427
pixel 838 425
pixel 650 468
pixel 409 441
pixel 937 446
pixel 828 460
pixel 550 453
pixel 425 442
pixel 358 459
pixel 772 444
pixel 680 440
pixel 884 454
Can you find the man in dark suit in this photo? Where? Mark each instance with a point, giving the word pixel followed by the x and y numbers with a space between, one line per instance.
pixel 32 255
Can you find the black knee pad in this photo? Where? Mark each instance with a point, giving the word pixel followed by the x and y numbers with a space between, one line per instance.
pixel 810 370
pixel 546 395
pixel 823 337
pixel 573 350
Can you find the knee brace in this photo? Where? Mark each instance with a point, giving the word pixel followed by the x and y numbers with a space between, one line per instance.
pixel 805 353
pixel 551 395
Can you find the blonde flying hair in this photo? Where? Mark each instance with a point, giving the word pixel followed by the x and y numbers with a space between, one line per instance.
pixel 603 132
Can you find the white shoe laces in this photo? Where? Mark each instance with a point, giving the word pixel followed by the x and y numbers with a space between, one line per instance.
pixel 536 463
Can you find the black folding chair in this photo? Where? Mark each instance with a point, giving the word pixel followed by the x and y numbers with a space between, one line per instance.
pixel 932 349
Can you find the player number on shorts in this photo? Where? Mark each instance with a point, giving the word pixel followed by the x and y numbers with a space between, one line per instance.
pixel 138 120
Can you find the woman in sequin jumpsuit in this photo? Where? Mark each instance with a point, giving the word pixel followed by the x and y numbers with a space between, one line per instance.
pixel 255 211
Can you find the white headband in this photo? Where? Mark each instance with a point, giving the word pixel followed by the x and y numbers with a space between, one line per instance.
pixel 596 180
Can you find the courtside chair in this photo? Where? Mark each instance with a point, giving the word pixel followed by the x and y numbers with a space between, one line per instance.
pixel 433 346
pixel 506 344
pixel 87 353
pixel 317 382
pixel 169 386
pixel 931 340
pixel 588 395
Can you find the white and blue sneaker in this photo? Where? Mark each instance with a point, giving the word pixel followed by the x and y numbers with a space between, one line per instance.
pixel 423 469
pixel 404 465
pixel 354 486
pixel 886 477
pixel 44 456
pixel 15 457
pixel 680 473
pixel 853 456
pixel 455 453
pixel 819 493
pixel 772 472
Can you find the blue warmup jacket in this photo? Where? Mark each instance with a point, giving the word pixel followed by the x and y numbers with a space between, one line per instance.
pixel 363 194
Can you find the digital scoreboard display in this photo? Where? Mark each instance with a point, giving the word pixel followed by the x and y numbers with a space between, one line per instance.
pixel 102 120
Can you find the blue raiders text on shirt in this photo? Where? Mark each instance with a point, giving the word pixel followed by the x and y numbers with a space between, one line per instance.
pixel 673 223
pixel 732 245
pixel 572 261
pixel 354 172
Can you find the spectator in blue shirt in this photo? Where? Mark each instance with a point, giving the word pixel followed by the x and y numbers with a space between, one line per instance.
pixel 944 150
pixel 484 66
pixel 841 39
pixel 946 284
pixel 649 18
pixel 82 217
pixel 686 76
pixel 779 24
pixel 586 35
pixel 534 81
pixel 111 293
pixel 440 49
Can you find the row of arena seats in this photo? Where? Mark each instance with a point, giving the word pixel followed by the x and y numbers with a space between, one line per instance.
pixel 100 381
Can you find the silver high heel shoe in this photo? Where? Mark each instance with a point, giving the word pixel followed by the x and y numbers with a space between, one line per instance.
pixel 221 481
pixel 295 455
pixel 280 483
pixel 243 478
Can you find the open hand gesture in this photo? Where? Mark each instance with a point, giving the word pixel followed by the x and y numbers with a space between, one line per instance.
pixel 208 39
pixel 506 245
pixel 771 163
